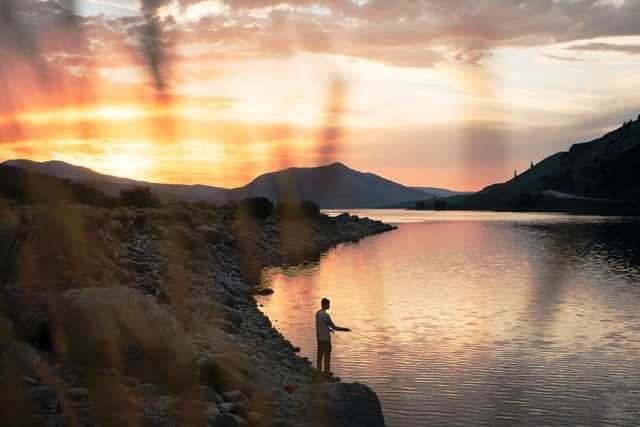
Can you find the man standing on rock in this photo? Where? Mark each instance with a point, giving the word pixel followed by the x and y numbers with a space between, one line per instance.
pixel 324 328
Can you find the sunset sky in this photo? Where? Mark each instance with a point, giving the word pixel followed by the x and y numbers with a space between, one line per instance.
pixel 449 93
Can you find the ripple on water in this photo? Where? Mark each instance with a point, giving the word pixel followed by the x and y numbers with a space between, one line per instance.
pixel 481 319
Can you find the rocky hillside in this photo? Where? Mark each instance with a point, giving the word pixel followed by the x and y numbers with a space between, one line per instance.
pixel 146 317
pixel 595 176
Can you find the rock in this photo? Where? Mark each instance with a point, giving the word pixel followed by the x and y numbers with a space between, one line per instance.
pixel 234 396
pixel 163 404
pixel 79 393
pixel 130 381
pixel 234 316
pixel 46 398
pixel 145 389
pixel 226 420
pixel 225 407
pixel 211 412
pixel 226 327
pixel 54 421
pixel 210 234
pixel 207 394
pixel 30 380
pixel 345 405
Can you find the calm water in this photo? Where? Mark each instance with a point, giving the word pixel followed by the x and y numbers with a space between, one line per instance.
pixel 467 318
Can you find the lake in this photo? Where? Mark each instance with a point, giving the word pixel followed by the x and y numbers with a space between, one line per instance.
pixel 479 318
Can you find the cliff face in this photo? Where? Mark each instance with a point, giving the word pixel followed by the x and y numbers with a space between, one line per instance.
pixel 146 317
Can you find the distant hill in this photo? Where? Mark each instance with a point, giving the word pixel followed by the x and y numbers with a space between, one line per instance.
pixel 332 186
pixel 600 175
pixel 26 186
pixel 111 185
pixel 441 192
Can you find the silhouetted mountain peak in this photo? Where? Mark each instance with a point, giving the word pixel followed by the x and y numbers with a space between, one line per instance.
pixel 331 186
pixel 338 165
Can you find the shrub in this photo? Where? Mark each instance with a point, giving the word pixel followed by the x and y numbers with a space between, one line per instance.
pixel 258 208
pixel 87 195
pixel 306 209
pixel 139 197
pixel 310 209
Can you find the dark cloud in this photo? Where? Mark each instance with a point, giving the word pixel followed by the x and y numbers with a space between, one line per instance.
pixel 607 47
pixel 412 33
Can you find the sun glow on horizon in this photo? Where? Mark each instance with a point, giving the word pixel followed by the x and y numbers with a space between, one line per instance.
pixel 217 92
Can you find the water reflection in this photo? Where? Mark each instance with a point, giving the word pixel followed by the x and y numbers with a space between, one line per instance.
pixel 481 319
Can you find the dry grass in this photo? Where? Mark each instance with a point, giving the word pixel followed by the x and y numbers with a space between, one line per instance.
pixel 122 329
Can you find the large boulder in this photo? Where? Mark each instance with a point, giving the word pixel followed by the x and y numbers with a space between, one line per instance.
pixel 344 405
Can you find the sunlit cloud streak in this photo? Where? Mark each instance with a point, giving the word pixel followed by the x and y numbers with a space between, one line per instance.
pixel 93 68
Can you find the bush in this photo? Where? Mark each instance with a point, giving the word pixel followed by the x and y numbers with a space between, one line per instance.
pixel 87 195
pixel 258 208
pixel 310 209
pixel 306 209
pixel 139 197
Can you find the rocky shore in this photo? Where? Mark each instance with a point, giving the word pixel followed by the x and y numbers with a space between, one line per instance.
pixel 146 317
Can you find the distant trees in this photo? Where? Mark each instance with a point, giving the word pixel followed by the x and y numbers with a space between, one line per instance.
pixel 259 208
pixel 139 197
pixel 87 195
pixel 440 204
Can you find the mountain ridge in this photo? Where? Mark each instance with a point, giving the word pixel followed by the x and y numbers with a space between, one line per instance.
pixel 441 192
pixel 331 186
pixel 600 175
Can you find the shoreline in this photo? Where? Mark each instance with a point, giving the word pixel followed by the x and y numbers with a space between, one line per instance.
pixel 182 341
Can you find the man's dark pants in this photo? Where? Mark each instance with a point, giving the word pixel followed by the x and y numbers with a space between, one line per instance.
pixel 324 352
